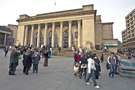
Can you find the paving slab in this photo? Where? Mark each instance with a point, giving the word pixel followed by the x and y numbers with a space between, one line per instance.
pixel 59 75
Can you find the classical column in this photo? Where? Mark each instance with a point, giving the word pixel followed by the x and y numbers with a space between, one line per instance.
pixel 70 31
pixel 61 34
pixel 53 32
pixel 5 39
pixel 45 35
pixel 79 33
pixel 26 35
pixel 38 36
pixel 32 34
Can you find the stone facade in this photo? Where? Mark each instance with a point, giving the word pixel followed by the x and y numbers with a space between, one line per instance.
pixel 79 27
pixel 14 29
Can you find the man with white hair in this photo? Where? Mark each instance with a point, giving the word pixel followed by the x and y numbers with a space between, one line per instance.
pixel 13 60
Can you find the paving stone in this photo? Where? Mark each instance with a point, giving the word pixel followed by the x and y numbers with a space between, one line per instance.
pixel 59 75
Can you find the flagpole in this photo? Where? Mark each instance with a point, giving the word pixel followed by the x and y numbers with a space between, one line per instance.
pixel 54 5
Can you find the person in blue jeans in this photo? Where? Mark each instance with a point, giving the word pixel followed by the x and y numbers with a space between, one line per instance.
pixel 112 61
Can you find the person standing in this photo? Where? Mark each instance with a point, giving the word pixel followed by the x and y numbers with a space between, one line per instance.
pixel 6 51
pixel 112 61
pixel 13 58
pixel 51 52
pixel 78 57
pixel 35 60
pixel 97 65
pixel 102 57
pixel 91 71
pixel 27 61
pixel 75 57
pixel 83 62
pixel 46 59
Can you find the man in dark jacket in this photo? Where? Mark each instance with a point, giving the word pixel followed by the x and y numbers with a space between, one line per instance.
pixel 13 60
pixel 102 57
pixel 6 51
pixel 83 62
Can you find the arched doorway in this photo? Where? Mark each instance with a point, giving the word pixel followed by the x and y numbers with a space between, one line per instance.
pixel 41 39
pixel 49 39
pixel 65 38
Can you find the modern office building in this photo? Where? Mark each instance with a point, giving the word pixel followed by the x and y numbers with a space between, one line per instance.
pixel 79 27
pixel 128 35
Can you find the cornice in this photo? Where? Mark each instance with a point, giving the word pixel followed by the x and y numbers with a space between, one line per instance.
pixel 57 15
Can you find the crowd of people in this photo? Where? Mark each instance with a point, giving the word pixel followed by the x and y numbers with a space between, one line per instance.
pixel 30 57
pixel 87 62
pixel 89 65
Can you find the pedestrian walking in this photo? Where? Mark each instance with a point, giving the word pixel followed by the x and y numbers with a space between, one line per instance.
pixel 112 61
pixel 97 65
pixel 46 59
pixel 35 60
pixel 6 51
pixel 84 66
pixel 27 61
pixel 91 71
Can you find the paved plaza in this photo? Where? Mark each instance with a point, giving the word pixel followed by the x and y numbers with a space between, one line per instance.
pixel 59 75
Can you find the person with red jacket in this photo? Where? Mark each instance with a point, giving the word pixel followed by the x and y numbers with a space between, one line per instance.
pixel 78 57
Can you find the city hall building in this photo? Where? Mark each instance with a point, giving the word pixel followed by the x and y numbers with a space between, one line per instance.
pixel 79 27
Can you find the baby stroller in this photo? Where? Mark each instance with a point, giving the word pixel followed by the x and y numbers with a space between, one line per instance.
pixel 76 68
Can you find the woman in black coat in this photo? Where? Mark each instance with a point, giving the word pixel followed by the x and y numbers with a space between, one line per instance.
pixel 27 61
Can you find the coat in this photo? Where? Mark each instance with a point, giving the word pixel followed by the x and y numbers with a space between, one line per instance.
pixel 6 50
pixel 45 54
pixel 98 69
pixel 75 57
pixel 102 58
pixel 14 57
pixel 27 61
pixel 83 60
pixel 78 57
pixel 36 59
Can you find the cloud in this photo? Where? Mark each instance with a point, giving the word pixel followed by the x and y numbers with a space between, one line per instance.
pixel 110 10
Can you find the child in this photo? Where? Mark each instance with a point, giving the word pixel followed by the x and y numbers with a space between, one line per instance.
pixel 35 59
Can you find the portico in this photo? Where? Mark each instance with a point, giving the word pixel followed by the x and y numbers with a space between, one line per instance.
pixel 54 28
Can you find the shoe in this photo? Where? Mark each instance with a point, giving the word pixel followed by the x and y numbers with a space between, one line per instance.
pixel 87 83
pixel 97 87
pixel 13 74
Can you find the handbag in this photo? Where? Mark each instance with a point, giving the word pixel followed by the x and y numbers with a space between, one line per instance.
pixel 107 65
pixel 19 56
pixel 76 69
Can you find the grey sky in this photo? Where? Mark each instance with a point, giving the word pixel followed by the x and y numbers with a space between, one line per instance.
pixel 110 10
